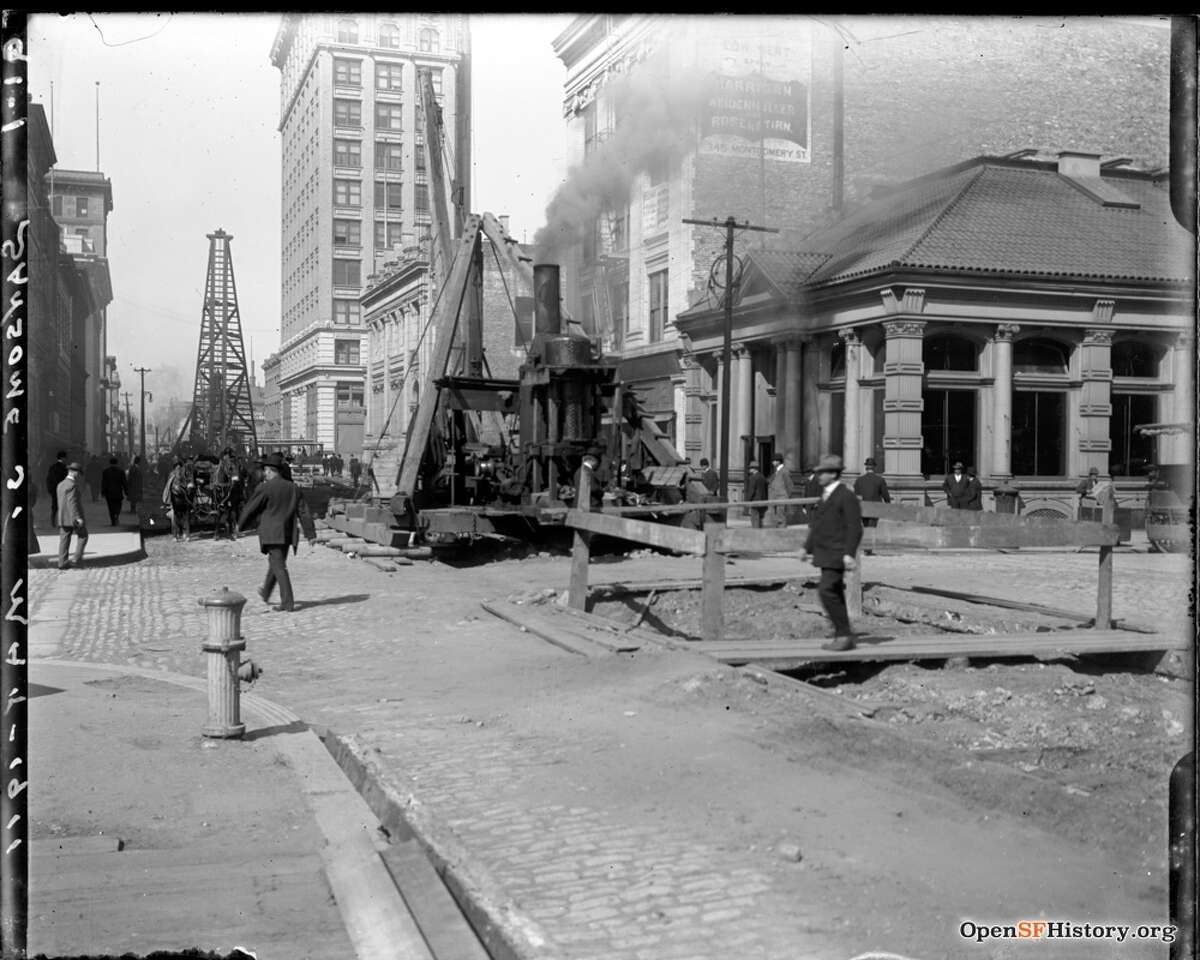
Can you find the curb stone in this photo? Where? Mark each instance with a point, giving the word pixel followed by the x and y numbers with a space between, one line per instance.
pixel 507 933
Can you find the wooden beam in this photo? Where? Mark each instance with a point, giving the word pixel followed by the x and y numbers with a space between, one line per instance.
pixel 891 533
pixel 1105 578
pixel 854 584
pixel 712 600
pixel 943 517
pixel 940 647
pixel 639 531
pixel 714 507
pixel 445 322
pixel 1062 614
pixel 764 540
pixel 581 548
pixel 554 626
pixel 618 587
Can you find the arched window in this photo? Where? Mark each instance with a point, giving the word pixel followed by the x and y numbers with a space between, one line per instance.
pixel 347 31
pixel 948 352
pixel 1134 358
pixel 389 36
pixel 428 41
pixel 1039 355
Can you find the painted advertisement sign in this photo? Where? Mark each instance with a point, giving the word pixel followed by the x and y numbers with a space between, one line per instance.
pixel 758 99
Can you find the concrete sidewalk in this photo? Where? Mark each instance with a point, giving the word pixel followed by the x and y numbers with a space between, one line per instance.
pixel 106 545
pixel 146 836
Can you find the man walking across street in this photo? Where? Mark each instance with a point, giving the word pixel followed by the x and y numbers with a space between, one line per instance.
pixel 54 476
pixel 872 487
pixel 755 488
pixel 71 521
pixel 112 488
pixel 834 533
pixel 279 506
pixel 780 488
pixel 955 487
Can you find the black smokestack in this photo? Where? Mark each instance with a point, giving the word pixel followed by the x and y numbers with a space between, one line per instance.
pixel 547 318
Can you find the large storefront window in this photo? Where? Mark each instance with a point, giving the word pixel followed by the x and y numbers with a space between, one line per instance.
pixel 1039 431
pixel 1131 452
pixel 837 424
pixel 947 430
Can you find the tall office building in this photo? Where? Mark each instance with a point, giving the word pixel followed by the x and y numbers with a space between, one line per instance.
pixel 355 191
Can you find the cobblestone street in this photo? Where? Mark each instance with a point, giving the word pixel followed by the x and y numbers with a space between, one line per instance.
pixel 632 806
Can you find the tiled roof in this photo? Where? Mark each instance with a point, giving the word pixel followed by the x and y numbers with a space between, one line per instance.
pixel 1006 217
pixel 787 270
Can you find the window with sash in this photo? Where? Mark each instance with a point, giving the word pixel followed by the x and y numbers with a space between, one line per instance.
pixel 347 31
pixel 347 153
pixel 345 312
pixel 347 273
pixel 345 352
pixel 658 306
pixel 389 156
pixel 389 76
pixel 347 73
pixel 347 113
pixel 389 36
pixel 388 116
pixel 387 196
pixel 347 233
pixel 347 193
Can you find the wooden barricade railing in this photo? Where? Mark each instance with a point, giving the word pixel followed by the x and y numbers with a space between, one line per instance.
pixel 898 526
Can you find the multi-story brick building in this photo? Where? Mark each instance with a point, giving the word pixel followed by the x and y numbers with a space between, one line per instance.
pixel 790 122
pixel 68 291
pixel 80 202
pixel 354 190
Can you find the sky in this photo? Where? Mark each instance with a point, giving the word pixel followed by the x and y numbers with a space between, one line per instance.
pixel 188 110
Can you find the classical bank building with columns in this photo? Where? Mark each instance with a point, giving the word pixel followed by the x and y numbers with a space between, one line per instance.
pixel 1024 316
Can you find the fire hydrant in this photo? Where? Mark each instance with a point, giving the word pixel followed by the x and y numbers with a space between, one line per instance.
pixel 224 648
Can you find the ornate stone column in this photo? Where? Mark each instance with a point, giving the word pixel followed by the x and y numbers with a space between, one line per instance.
pixel 793 403
pixel 1002 367
pixel 1095 399
pixel 1180 449
pixel 904 371
pixel 850 426
pixel 743 402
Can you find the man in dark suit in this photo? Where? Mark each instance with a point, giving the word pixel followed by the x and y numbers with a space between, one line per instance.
pixel 54 476
pixel 956 487
pixel 112 488
pixel 755 488
pixel 834 533
pixel 279 506
pixel 871 486
pixel 974 497
pixel 708 476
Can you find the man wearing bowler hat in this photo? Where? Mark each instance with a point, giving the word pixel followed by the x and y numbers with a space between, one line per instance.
pixel 279 506
pixel 871 486
pixel 71 522
pixel 957 487
pixel 834 532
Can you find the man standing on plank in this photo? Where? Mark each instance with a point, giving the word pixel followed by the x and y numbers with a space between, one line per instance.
pixel 834 532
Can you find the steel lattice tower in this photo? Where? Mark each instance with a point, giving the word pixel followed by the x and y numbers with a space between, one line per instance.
pixel 221 414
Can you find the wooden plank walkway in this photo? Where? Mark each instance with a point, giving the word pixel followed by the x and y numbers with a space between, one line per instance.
pixel 575 634
pixel 937 646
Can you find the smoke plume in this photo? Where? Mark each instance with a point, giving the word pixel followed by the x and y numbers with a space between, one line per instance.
pixel 656 113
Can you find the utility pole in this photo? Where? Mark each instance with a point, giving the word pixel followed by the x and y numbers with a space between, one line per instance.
pixel 128 423
pixel 143 371
pixel 729 224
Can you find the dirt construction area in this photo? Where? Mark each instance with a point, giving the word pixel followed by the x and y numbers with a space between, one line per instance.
pixel 658 805
pixel 1104 729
